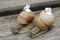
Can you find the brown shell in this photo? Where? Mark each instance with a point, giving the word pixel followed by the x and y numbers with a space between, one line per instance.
pixel 44 21
pixel 25 17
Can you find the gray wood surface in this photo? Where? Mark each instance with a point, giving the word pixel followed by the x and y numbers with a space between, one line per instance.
pixel 9 21
pixel 19 4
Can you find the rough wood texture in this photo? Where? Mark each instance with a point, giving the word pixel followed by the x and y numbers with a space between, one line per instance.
pixel 19 4
pixel 9 21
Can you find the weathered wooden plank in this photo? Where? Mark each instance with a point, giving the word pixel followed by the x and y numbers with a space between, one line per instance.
pixel 9 21
pixel 19 4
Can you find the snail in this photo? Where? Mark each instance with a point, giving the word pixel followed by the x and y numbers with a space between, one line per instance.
pixel 42 22
pixel 24 18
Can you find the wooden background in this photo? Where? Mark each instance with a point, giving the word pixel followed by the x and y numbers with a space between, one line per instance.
pixel 19 4
pixel 9 21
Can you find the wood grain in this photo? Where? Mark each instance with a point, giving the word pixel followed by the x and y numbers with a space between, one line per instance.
pixel 19 4
pixel 9 21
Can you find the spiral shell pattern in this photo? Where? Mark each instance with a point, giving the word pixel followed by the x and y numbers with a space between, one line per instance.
pixel 25 17
pixel 44 20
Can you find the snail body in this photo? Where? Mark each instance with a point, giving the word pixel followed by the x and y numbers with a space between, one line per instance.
pixel 43 22
pixel 45 19
pixel 25 17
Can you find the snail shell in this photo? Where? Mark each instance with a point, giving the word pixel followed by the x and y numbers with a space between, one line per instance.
pixel 25 16
pixel 45 19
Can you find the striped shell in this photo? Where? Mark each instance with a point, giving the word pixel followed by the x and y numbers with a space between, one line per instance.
pixel 44 20
pixel 25 17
